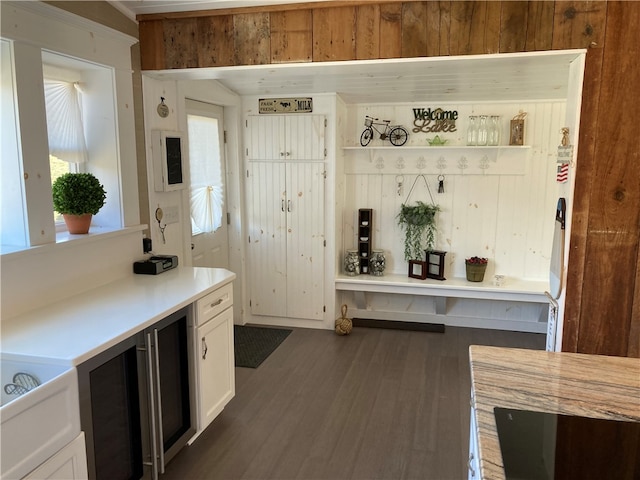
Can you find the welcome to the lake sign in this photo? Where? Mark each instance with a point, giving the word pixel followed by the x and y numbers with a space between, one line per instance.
pixel 434 120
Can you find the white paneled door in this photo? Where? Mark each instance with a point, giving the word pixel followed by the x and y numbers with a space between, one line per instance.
pixel 285 193
pixel 287 240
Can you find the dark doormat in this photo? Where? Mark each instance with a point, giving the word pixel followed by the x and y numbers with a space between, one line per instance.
pixel 252 345
pixel 397 325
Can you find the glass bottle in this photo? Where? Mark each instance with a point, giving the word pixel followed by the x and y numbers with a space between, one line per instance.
pixel 482 130
pixel 377 263
pixel 352 263
pixel 494 130
pixel 472 131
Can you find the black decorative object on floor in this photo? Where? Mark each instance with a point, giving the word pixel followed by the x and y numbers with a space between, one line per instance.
pixel 252 345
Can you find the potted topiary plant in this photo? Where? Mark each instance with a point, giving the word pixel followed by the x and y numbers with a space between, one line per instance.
pixel 78 196
pixel 419 224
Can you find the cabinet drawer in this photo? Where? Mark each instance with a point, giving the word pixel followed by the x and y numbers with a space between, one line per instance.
pixel 214 303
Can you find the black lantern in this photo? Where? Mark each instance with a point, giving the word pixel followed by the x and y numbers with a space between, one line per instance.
pixel 435 264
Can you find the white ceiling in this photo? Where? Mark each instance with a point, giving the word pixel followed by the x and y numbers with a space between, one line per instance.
pixel 502 77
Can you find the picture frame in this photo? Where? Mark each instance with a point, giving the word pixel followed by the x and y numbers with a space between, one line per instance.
pixel 435 264
pixel 417 269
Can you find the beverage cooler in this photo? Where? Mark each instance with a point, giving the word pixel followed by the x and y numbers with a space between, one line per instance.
pixel 137 401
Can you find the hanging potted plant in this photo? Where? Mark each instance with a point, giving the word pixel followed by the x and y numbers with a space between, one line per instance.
pixel 419 225
pixel 77 197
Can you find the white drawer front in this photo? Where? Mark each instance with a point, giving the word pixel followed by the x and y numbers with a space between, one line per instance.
pixel 214 303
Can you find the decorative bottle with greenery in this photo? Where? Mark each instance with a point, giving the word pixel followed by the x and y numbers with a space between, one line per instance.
pixel 419 225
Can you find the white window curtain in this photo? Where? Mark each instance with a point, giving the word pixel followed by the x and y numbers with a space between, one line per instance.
pixel 64 121
pixel 206 182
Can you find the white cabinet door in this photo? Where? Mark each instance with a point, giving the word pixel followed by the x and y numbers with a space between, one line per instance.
pixel 267 227
pixel 285 137
pixel 305 240
pixel 70 463
pixel 216 374
pixel 474 461
pixel 287 240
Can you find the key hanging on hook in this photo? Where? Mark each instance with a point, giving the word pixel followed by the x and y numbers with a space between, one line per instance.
pixel 400 182
pixel 440 183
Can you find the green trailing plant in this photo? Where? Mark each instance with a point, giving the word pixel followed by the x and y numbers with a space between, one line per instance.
pixel 77 194
pixel 419 225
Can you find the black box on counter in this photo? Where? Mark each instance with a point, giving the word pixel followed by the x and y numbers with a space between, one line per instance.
pixel 156 264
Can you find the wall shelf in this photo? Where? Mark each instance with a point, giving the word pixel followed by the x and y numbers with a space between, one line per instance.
pixel 437 160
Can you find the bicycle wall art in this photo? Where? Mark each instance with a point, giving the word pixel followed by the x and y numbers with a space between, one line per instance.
pixel 396 134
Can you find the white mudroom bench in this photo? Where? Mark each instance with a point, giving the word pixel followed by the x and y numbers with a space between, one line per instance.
pixel 517 305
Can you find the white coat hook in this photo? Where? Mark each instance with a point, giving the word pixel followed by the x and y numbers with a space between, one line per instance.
pixel 463 163
pixel 379 163
pixel 421 164
pixel 400 163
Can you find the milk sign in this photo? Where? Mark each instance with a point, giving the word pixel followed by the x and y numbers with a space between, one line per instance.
pixel 285 105
pixel 434 120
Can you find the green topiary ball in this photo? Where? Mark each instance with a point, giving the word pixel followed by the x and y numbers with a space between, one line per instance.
pixel 77 194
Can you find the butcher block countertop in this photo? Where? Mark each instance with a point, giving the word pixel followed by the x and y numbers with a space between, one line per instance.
pixel 594 386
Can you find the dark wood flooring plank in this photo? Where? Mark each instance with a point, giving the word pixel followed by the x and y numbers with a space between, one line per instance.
pixel 375 404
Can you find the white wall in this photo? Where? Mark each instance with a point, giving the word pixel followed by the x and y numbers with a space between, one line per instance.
pixel 177 236
pixel 38 276
pixel 507 218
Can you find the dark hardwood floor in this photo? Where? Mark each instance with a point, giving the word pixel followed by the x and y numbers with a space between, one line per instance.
pixel 377 404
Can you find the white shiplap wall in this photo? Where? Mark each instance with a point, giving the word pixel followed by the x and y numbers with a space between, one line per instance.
pixel 507 218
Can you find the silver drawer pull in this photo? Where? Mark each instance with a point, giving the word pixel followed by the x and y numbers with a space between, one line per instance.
pixel 216 303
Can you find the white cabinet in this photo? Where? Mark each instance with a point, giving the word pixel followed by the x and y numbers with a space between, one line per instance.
pixel 214 354
pixel 286 210
pixel 286 239
pixel 70 463
pixel 286 137
pixel 474 460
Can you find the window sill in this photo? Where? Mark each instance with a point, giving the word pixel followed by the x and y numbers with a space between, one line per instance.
pixel 66 240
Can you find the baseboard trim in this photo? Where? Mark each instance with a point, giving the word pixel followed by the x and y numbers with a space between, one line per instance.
pixel 399 325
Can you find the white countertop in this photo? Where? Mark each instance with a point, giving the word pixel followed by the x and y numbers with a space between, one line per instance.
pixel 82 326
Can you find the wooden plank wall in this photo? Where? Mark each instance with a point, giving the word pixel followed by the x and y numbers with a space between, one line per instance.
pixel 603 290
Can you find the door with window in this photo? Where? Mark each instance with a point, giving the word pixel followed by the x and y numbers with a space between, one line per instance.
pixel 209 240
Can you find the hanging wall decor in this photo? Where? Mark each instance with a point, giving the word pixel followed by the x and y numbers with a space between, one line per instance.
pixel 429 120
pixel 285 105
pixel 418 222
pixel 162 109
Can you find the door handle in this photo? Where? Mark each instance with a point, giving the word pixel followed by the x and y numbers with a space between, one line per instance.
pixel 205 349
pixel 152 407
pixel 160 432
pixel 282 205
pixel 288 205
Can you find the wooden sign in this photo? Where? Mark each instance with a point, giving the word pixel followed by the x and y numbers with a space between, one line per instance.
pixel 285 105
pixel 434 120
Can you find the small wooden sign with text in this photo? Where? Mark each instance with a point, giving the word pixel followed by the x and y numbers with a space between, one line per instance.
pixel 285 105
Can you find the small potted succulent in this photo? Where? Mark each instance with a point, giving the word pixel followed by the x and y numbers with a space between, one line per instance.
pixel 78 196
pixel 476 266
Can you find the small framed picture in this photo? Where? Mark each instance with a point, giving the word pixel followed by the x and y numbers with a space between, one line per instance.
pixel 417 269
